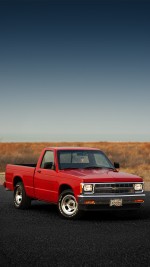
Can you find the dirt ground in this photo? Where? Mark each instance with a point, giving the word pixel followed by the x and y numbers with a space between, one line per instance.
pixel 2 178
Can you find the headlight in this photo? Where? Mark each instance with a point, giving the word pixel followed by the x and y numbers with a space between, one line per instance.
pixel 138 187
pixel 88 188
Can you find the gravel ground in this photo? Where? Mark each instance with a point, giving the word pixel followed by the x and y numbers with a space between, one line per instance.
pixel 2 175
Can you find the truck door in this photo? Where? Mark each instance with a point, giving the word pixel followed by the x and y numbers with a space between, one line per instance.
pixel 45 183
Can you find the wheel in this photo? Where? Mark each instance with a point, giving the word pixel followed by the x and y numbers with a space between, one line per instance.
pixel 21 200
pixel 67 205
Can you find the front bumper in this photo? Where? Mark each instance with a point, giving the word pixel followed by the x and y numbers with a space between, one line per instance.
pixel 100 202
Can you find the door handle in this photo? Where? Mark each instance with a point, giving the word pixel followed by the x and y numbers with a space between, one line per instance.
pixel 39 171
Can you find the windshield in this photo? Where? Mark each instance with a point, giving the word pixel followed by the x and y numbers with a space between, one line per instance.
pixel 82 159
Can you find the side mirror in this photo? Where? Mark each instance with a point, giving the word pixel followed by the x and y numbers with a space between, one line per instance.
pixel 116 165
pixel 49 165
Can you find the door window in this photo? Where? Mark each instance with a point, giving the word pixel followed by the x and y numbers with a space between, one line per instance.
pixel 48 160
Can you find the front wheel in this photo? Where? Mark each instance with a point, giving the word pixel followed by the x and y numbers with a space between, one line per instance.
pixel 21 200
pixel 67 205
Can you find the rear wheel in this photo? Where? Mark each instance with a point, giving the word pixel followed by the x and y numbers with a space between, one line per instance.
pixel 67 205
pixel 21 200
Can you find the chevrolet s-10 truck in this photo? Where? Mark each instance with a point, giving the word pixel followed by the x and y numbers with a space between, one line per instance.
pixel 75 179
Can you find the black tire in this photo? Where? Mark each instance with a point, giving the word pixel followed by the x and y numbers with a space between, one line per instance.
pixel 68 206
pixel 21 200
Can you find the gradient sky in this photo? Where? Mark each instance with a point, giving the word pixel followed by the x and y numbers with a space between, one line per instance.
pixel 74 70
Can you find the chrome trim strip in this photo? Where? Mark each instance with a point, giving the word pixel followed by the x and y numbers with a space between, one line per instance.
pixel 116 183
pixel 111 196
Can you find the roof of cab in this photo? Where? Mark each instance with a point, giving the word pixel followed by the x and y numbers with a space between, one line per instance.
pixel 71 148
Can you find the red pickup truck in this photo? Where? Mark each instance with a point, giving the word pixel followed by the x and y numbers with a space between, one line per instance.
pixel 75 179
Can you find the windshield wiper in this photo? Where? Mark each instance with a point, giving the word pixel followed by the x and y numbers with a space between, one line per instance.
pixel 99 167
pixel 92 167
pixel 69 168
pixel 110 168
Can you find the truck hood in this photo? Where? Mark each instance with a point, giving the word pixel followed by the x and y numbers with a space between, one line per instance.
pixel 102 175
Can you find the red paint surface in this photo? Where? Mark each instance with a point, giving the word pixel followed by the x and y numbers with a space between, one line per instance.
pixel 45 185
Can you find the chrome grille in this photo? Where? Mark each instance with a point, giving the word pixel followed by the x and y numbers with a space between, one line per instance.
pixel 114 188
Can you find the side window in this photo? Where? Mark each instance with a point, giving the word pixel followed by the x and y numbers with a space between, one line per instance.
pixel 48 160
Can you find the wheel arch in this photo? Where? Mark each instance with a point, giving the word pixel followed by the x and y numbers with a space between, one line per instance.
pixel 16 180
pixel 64 187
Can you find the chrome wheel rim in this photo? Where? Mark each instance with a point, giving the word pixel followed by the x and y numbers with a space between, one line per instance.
pixel 18 196
pixel 69 205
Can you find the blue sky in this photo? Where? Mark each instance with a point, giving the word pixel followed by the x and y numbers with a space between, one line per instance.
pixel 74 70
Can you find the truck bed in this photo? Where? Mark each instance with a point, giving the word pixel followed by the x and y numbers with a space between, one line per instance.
pixel 26 165
pixel 24 172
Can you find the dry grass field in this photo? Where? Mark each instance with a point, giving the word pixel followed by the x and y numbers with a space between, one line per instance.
pixel 133 157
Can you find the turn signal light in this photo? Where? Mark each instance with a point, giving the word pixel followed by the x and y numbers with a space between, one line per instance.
pixel 81 186
pixel 139 201
pixel 89 202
